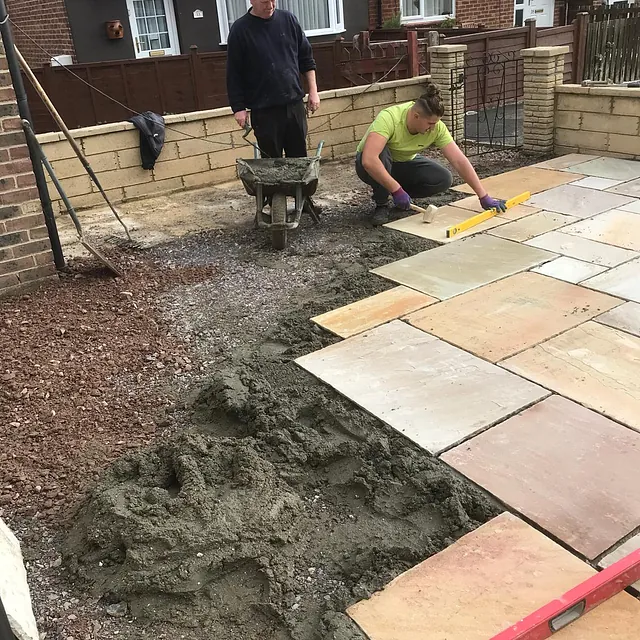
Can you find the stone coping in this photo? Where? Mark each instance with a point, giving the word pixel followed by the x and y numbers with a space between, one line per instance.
pixel 544 52
pixel 225 111
pixel 612 91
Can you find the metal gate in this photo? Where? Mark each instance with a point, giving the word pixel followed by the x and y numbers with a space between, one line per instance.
pixel 487 103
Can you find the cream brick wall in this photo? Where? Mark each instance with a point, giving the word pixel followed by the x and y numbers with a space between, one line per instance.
pixel 201 148
pixel 598 120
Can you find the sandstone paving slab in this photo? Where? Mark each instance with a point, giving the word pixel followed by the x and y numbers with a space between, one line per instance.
pixel 631 188
pixel 373 311
pixel 514 213
pixel 613 168
pixel 600 184
pixel 634 207
pixel 582 249
pixel 569 269
pixel 578 201
pixel 532 226
pixel 511 315
pixel 485 582
pixel 458 267
pixel 415 383
pixel 592 364
pixel 631 545
pixel 566 161
pixel 626 317
pixel 513 183
pixel 623 281
pixel 616 227
pixel 569 470
pixel 445 218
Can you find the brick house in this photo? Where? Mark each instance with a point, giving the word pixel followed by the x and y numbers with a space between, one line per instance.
pixel 77 29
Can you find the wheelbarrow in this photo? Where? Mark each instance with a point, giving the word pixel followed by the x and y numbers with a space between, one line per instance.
pixel 272 180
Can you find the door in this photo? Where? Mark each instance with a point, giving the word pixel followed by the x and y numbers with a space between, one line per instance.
pixel 541 10
pixel 153 27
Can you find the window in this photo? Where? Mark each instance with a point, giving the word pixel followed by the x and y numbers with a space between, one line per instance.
pixel 153 27
pixel 317 17
pixel 431 10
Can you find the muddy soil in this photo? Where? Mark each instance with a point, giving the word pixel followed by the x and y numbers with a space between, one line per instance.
pixel 272 503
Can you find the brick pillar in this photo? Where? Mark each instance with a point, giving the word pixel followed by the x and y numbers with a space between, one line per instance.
pixel 25 250
pixel 543 71
pixel 447 71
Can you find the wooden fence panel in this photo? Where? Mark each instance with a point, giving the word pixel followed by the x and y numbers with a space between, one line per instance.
pixel 558 37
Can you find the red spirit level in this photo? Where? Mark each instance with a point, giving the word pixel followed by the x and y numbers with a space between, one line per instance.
pixel 560 613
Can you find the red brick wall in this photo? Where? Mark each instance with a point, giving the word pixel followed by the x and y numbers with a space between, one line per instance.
pixel 46 22
pixel 389 9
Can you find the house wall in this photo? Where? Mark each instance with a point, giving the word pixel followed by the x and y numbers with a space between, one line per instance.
pixel 46 21
pixel 204 32
pixel 87 19
pixel 597 120
pixel 187 163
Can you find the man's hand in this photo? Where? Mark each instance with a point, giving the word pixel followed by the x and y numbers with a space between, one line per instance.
pixel 401 199
pixel 488 202
pixel 241 118
pixel 314 102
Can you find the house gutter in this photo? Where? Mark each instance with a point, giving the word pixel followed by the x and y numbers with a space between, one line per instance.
pixel 25 114
pixel 379 14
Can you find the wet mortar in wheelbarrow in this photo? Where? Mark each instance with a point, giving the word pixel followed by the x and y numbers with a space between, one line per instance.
pixel 273 180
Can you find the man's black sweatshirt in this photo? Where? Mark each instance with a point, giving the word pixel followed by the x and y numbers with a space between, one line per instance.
pixel 264 61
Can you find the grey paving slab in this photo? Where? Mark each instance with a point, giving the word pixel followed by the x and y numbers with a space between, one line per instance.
pixel 633 207
pixel 532 226
pixel 627 188
pixel 631 545
pixel 599 184
pixel 613 168
pixel 456 268
pixel 626 317
pixel 559 464
pixel 569 269
pixel 564 162
pixel 623 281
pixel 615 227
pixel 582 249
pixel 432 392
pixel 578 201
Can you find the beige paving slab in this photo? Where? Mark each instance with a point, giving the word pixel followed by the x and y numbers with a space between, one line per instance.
pixel 626 317
pixel 513 183
pixel 578 201
pixel 634 207
pixel 514 213
pixel 566 161
pixel 631 545
pixel 373 311
pixel 631 188
pixel 532 226
pixel 462 266
pixel 616 227
pixel 592 364
pixel 485 582
pixel 600 184
pixel 569 269
pixel 569 470
pixel 445 218
pixel 511 315
pixel 613 168
pixel 623 281
pixel 582 249
pixel 413 382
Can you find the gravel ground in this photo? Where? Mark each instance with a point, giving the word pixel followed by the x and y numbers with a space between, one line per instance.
pixel 194 352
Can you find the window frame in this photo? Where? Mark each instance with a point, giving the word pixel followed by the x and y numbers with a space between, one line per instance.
pixel 336 19
pixel 423 18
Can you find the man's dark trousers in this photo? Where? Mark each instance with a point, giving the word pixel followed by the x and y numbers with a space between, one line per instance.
pixel 281 129
pixel 420 177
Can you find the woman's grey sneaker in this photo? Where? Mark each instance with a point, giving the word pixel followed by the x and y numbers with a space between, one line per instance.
pixel 380 215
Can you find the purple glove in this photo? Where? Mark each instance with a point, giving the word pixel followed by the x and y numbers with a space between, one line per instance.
pixel 488 202
pixel 401 199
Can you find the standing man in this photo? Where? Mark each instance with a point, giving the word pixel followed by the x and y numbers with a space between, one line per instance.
pixel 267 51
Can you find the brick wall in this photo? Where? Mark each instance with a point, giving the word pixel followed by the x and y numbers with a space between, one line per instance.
pixel 25 251
pixel 598 120
pixel 46 22
pixel 187 163
pixel 495 14
pixel 389 9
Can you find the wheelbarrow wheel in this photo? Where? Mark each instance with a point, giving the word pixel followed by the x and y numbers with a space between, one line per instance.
pixel 279 216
